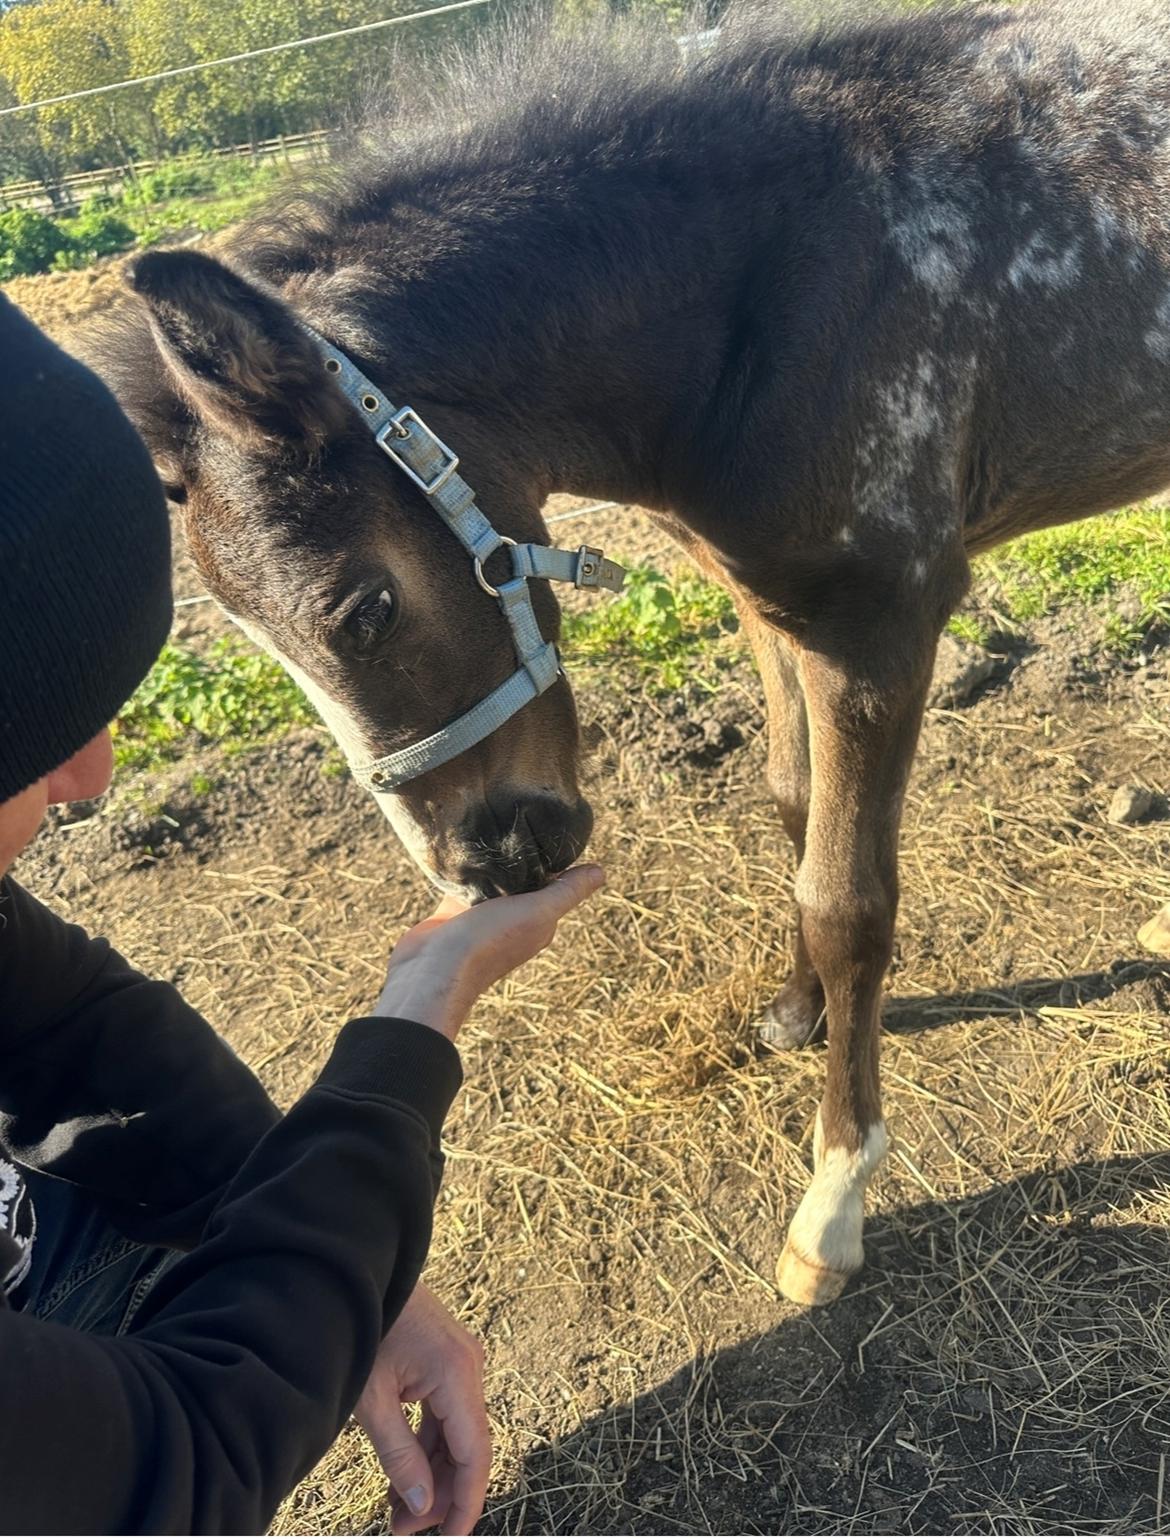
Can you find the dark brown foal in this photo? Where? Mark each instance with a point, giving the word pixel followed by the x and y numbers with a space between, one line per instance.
pixel 840 308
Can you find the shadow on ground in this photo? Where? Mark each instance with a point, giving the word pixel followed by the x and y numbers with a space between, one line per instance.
pixel 1000 1366
pixel 1026 997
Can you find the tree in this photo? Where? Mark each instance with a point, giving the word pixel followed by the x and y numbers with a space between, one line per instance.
pixel 55 47
pixel 23 157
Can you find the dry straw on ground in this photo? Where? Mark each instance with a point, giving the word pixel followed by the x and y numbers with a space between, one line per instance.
pixel 622 1161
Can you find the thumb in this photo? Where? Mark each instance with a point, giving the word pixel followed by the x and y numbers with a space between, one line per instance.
pixel 401 1456
pixel 569 889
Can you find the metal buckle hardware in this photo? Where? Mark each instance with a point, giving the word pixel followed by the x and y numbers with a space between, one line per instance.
pixel 589 560
pixel 480 578
pixel 397 428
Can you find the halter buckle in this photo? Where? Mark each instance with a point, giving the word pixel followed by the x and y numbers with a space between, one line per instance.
pixel 594 571
pixel 404 424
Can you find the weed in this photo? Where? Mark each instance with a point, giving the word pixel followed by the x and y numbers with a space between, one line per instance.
pixel 184 177
pixel 29 242
pixel 97 231
pixel 231 696
pixel 969 628
pixel 1120 563
pixel 666 626
pixel 334 765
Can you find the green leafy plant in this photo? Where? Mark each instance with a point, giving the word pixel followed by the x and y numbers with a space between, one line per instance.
pixel 666 626
pixel 174 179
pixel 230 695
pixel 966 627
pixel 173 200
pixel 29 242
pixel 97 231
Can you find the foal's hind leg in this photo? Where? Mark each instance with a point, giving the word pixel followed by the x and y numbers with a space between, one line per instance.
pixel 865 696
pixel 796 1015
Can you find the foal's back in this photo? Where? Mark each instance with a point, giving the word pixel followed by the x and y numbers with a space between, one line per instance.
pixel 981 231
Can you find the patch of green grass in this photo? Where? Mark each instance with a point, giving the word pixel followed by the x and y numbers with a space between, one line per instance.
pixel 668 627
pixel 1123 556
pixel 208 214
pixel 230 695
pixel 1118 566
pixel 969 628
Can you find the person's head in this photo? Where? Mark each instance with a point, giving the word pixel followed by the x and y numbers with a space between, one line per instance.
pixel 85 601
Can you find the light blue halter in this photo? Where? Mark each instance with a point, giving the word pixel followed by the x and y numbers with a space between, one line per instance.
pixel 402 434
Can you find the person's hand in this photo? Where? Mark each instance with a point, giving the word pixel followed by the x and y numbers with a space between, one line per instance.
pixel 440 1475
pixel 441 966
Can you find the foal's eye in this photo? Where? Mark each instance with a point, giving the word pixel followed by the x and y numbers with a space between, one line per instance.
pixel 369 623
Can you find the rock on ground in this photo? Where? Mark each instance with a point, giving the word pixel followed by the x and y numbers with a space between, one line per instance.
pixel 1130 804
pixel 959 670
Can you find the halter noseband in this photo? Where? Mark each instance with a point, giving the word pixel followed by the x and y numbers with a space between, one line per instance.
pixel 402 434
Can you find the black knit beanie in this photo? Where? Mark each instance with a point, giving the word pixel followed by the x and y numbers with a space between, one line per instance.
pixel 85 569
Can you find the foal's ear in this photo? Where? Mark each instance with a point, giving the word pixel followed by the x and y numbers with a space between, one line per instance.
pixel 235 350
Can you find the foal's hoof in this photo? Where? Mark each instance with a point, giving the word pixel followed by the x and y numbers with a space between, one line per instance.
pixel 804 1282
pixel 1155 935
pixel 792 1019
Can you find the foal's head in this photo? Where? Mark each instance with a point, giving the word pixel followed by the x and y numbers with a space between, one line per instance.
pixel 328 557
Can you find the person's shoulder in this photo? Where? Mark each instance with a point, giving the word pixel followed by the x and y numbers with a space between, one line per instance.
pixel 44 960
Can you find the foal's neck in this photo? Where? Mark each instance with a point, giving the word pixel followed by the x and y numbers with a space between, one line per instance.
pixel 583 322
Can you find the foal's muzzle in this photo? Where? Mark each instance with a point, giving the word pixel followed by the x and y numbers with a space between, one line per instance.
pixel 517 846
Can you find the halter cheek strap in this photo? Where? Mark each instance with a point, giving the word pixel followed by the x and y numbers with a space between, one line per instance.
pixel 402 434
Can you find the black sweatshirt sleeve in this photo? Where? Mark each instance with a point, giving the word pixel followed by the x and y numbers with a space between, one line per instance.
pixel 111 1081
pixel 252 1350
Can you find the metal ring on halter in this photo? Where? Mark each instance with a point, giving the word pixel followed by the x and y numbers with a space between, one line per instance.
pixel 481 579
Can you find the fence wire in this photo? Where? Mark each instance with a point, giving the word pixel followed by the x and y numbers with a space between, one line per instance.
pixel 89 88
pixel 239 58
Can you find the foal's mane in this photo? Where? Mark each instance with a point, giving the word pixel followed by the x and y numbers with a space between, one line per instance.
pixel 560 162
pixel 530 99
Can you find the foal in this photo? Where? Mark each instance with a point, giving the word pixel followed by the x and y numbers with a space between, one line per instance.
pixel 841 309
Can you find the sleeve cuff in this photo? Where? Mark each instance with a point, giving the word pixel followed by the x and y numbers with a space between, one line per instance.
pixel 401 1060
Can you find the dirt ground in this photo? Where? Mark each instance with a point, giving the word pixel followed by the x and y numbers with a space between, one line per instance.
pixel 623 1159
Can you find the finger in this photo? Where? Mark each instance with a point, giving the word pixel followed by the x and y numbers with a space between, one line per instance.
pixel 403 1458
pixel 469 1449
pixel 569 889
pixel 450 907
pixel 430 1432
pixel 403 1521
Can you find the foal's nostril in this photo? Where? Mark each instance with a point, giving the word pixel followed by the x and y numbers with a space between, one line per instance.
pixel 516 846
pixel 558 832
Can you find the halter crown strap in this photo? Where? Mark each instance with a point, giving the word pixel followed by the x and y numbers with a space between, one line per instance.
pixel 402 435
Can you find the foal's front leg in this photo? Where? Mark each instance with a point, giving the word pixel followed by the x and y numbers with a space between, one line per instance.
pixel 864 711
